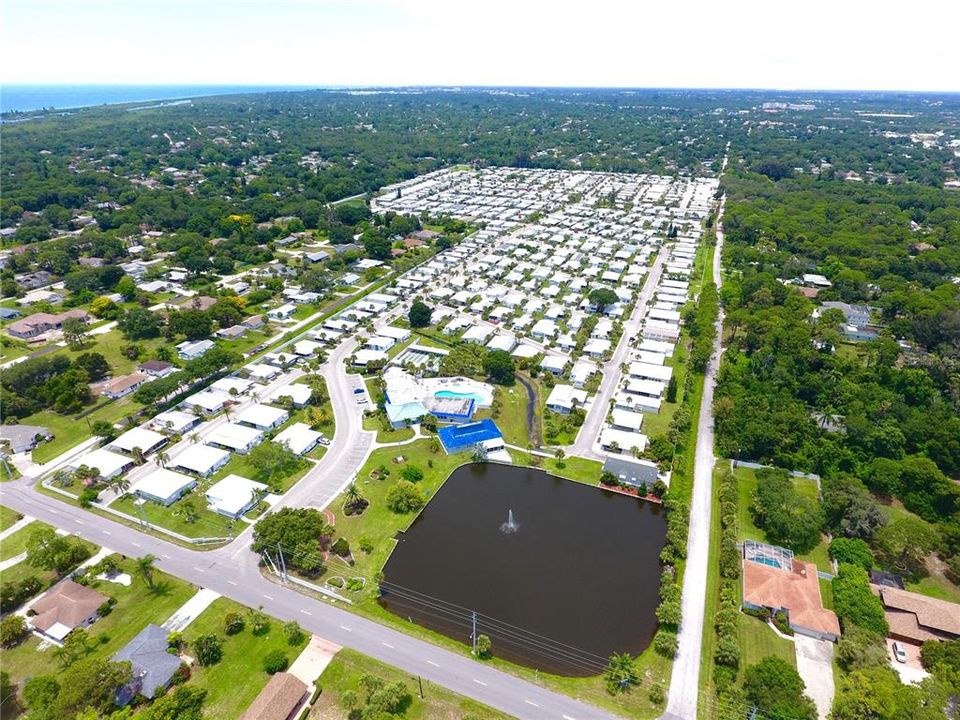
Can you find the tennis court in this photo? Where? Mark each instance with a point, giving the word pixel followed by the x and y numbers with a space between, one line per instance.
pixel 461 437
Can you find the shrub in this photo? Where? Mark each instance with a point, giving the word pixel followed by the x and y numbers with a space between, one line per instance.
pixel 293 632
pixel 782 622
pixel 275 661
pixel 668 613
pixel 854 603
pixel 404 498
pixel 87 497
pixel 337 582
pixel 233 623
pixel 412 473
pixel 484 646
pixel 341 547
pixel 727 651
pixel 181 675
pixel 657 694
pixel 666 643
pixel 365 544
pixel 208 650
pixel 851 550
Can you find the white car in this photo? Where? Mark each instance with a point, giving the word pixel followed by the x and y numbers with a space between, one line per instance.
pixel 899 653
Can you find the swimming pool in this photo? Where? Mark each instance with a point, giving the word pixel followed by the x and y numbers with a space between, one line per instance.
pixel 477 398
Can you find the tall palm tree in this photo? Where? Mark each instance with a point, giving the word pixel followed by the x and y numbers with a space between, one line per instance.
pixel 162 458
pixel 352 493
pixel 137 455
pixel 194 437
pixel 145 568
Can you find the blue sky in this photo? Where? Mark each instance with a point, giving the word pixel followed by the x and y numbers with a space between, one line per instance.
pixel 828 44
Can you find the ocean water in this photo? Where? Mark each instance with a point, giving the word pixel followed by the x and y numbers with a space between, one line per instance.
pixel 25 98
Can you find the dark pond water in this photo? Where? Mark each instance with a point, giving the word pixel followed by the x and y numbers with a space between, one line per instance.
pixel 576 581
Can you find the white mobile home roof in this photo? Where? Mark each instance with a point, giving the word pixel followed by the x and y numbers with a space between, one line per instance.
pixel 259 371
pixel 207 400
pixel 227 384
pixel 232 494
pixel 163 485
pixel 109 464
pixel 201 459
pixel 262 416
pixel 626 419
pixel 396 333
pixel 298 438
pixel 235 437
pixel 139 437
pixel 300 394
pixel 626 439
pixel 649 371
pixel 179 421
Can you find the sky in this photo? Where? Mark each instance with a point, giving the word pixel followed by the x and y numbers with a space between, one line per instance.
pixel 817 44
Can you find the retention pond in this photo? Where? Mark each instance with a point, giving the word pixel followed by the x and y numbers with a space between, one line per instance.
pixel 560 575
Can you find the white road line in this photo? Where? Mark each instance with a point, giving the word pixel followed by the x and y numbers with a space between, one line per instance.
pixel 431 662
pixel 268 597
pixel 531 702
pixel 79 522
pixel 231 582
pixel 479 682
pixel 567 717
pixel 387 645
pixel 305 612
pixel 136 544
pixel 344 627
pixel 201 570
pixel 105 532
pixel 165 556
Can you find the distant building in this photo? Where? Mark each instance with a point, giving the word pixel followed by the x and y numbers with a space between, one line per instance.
pixel 40 323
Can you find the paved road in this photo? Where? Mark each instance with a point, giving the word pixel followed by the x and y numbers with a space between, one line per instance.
pixel 685 681
pixel 587 437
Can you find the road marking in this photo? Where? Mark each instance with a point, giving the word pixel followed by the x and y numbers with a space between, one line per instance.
pixel 268 597
pixel 431 662
pixel 54 512
pixel 136 544
pixel 344 627
pixel 306 612
pixel 387 645
pixel 567 717
pixel 479 682
pixel 105 532
pixel 531 702
pixel 231 582
pixel 79 522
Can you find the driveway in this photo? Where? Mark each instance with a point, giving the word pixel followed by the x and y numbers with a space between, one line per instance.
pixel 911 672
pixel 815 665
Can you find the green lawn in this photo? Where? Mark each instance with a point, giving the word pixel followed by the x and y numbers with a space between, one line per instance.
pixel 17 543
pixel 936 586
pixel 109 345
pixel 136 606
pixel 758 641
pixel 69 431
pixel 438 703
pixel 8 517
pixel 240 465
pixel 512 417
pixel 234 682
pixel 711 596
pixel 207 524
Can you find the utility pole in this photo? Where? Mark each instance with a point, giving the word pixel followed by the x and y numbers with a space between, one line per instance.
pixel 283 563
pixel 473 635
pixel 420 683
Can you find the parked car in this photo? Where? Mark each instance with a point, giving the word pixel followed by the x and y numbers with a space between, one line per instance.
pixel 899 653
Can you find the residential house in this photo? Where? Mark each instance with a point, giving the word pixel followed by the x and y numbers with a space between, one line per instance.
pixel 64 608
pixel 153 666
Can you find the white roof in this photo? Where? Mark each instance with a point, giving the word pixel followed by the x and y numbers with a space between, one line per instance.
pixel 260 371
pixel 649 371
pixel 208 400
pixel 178 420
pixel 109 464
pixel 262 415
pixel 502 342
pixel 201 459
pixel 627 419
pixel 653 388
pixel 626 439
pixel 554 362
pixel 596 345
pixel 163 483
pixel 231 383
pixel 394 332
pixel 657 346
pixel 138 437
pixel 525 351
pixel 306 347
pixel 365 356
pixel 564 395
pixel 235 437
pixel 298 393
pixel 298 438
pixel 232 494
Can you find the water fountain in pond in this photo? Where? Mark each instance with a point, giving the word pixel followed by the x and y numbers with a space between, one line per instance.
pixel 511 525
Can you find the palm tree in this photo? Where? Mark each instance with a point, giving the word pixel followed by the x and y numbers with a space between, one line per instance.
pixel 194 437
pixel 137 455
pixel 120 485
pixel 145 568
pixel 162 458
pixel 353 494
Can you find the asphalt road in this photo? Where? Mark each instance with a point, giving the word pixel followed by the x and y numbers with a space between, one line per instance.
pixel 592 424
